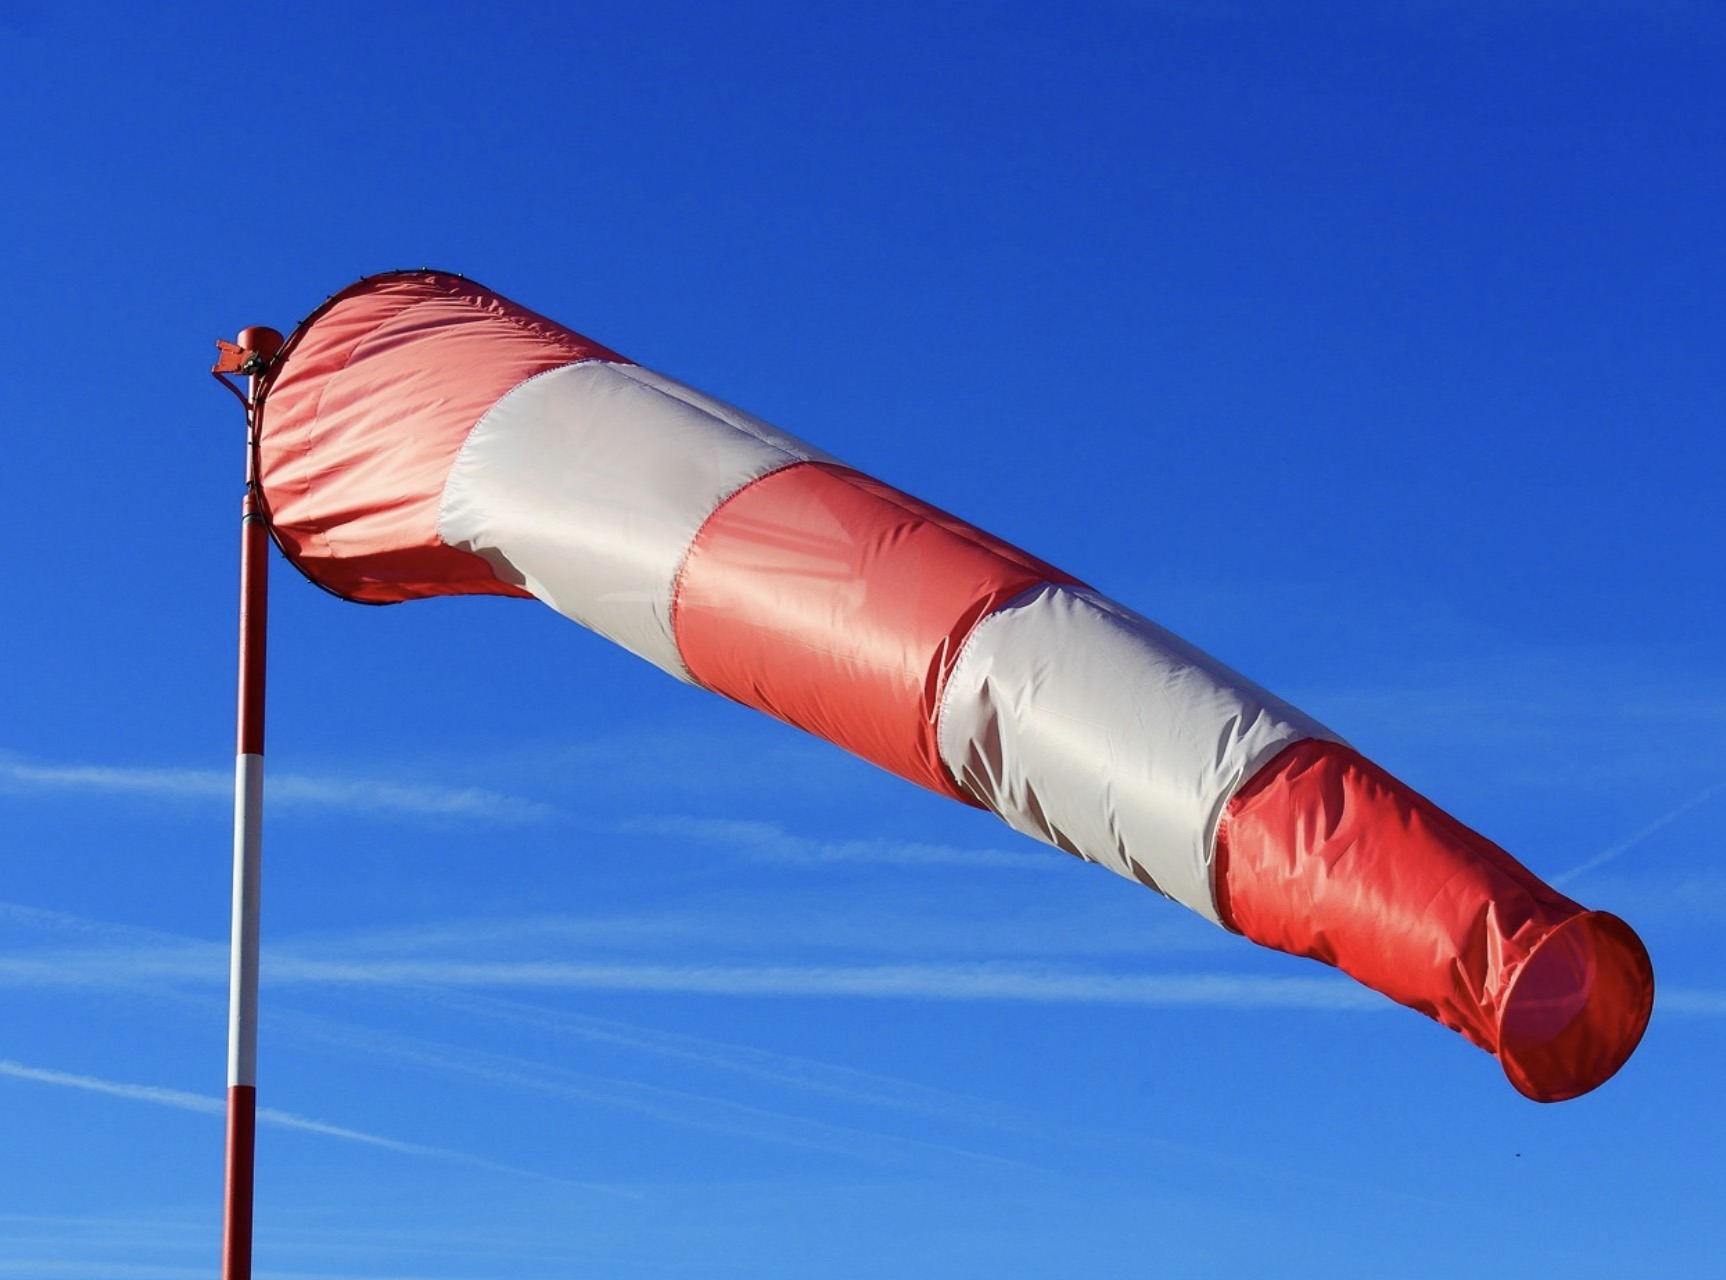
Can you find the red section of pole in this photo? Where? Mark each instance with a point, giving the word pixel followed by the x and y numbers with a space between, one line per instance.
pixel 237 1206
pixel 248 843
pixel 254 618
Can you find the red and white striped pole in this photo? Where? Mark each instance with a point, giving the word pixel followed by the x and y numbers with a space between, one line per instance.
pixel 259 345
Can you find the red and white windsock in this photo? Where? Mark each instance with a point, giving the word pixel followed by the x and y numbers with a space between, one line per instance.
pixel 421 436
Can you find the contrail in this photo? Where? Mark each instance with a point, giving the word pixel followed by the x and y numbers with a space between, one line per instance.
pixel 847 1084
pixel 365 795
pixel 769 842
pixel 1664 820
pixel 905 981
pixel 204 1105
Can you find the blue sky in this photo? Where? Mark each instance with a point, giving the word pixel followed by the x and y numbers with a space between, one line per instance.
pixel 1374 348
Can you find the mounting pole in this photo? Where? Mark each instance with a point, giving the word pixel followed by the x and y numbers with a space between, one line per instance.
pixel 258 345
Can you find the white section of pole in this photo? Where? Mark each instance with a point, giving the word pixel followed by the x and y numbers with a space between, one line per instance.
pixel 243 951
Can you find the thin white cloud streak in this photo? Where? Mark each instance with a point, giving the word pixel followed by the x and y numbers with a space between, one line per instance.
pixel 175 962
pixel 1691 1002
pixel 149 960
pixel 133 1234
pixel 1623 846
pixel 780 1072
pixel 1669 899
pixel 185 960
pixel 755 756
pixel 134 958
pixel 1521 716
pixel 38 919
pixel 841 1139
pixel 63 1268
pixel 203 1105
pixel 417 799
pixel 822 1079
pixel 904 981
pixel 165 967
pixel 680 1107
pixel 171 965
pixel 968 982
pixel 770 842
pixel 362 795
pixel 898 920
pixel 177 784
pixel 88 1247
pixel 203 964
pixel 177 1098
pixel 132 970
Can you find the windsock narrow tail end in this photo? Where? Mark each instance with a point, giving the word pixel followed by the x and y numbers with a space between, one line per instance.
pixel 1576 1010
pixel 1323 854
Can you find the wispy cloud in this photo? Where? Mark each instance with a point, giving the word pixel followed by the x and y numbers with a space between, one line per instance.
pixel 49 950
pixel 1543 719
pixel 891 918
pixel 135 1235
pixel 1630 842
pixel 182 1100
pixel 978 981
pixel 781 1071
pixel 173 961
pixel 406 798
pixel 714 750
pixel 128 970
pixel 26 920
pixel 770 842
pixel 167 967
pixel 432 959
pixel 1674 900
pixel 448 967
pixel 848 1085
pixel 176 1098
pixel 358 795
pixel 201 965
pixel 681 1107
pixel 65 1268
pixel 91 1247
pixel 176 784
pixel 1691 1002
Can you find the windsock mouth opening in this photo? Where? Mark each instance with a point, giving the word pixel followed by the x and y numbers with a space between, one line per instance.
pixel 1577 1009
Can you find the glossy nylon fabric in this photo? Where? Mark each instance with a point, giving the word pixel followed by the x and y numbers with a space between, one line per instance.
pixel 838 604
pixel 1324 854
pixel 1090 727
pixel 422 436
pixel 363 413
pixel 587 485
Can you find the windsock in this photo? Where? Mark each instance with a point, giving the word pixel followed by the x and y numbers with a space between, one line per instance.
pixel 419 435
